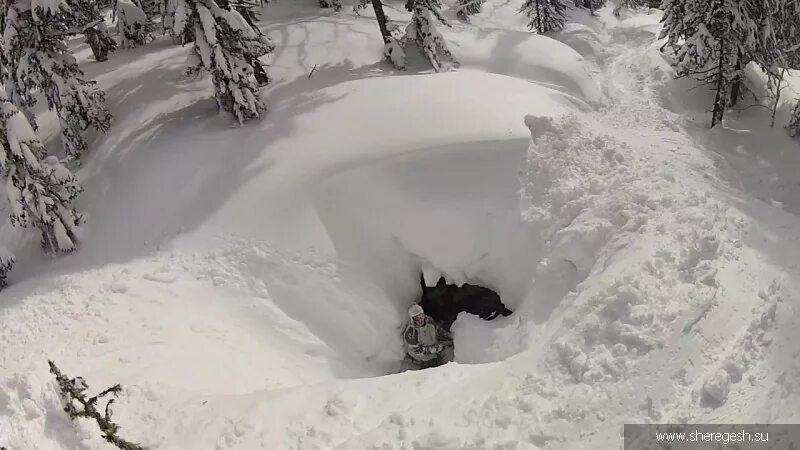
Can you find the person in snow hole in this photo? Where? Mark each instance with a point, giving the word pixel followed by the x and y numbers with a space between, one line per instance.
pixel 425 340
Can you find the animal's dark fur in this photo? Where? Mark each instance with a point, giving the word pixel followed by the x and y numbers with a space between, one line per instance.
pixel 444 301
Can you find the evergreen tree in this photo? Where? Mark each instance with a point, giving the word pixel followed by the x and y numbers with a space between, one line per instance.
pixel 40 190
pixel 674 27
pixel 779 49
pixel 151 8
pixel 228 47
pixel 719 40
pixel 545 15
pixel 335 4
pixel 466 8
pixel 794 122
pixel 177 21
pixel 6 263
pixel 86 17
pixel 423 32
pixel 636 4
pixel 135 29
pixel 591 5
pixel 38 59
pixel 247 9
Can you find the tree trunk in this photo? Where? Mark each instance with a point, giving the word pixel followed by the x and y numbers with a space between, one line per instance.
pixel 777 96
pixel 737 82
pixel 377 5
pixel 99 50
pixel 258 71
pixel 721 85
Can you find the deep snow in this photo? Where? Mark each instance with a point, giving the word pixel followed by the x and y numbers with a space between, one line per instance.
pixel 247 285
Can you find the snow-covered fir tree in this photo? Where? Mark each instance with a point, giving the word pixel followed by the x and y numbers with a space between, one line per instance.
pixel 719 39
pixel 6 264
pixel 466 8
pixel 788 35
pixel 545 15
pixel 674 27
pixel 631 4
pixel 40 190
pixel 38 60
pixel 778 49
pixel 87 18
pixel 336 5
pixel 794 122
pixel 151 8
pixel 247 8
pixel 135 29
pixel 640 3
pixel 422 31
pixel 229 48
pixel 591 5
pixel 177 21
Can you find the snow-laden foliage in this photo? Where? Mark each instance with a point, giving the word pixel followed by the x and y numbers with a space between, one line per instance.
pixel 151 8
pixel 394 49
pixel 335 4
pixel 6 263
pixel 135 29
pixel 779 48
pixel 423 32
pixel 545 15
pixel 591 5
pixel 39 7
pixel 719 38
pixel 40 190
pixel 631 4
pixel 714 40
pixel 177 21
pixel 228 47
pixel 640 3
pixel 466 8
pixel 85 16
pixel 37 59
pixel 675 28
pixel 794 122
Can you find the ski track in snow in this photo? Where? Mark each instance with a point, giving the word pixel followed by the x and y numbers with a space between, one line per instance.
pixel 667 306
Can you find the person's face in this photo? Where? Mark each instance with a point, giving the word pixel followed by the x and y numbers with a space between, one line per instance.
pixel 419 320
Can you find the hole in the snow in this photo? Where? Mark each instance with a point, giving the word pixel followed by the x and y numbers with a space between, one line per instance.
pixel 444 301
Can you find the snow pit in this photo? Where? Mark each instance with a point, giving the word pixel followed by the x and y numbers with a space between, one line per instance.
pixel 454 212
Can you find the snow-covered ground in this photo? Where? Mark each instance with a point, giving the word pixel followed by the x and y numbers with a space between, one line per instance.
pixel 247 285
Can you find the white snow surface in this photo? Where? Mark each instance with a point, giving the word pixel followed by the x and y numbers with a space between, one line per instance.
pixel 247 285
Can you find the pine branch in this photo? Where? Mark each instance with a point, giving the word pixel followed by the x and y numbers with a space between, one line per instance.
pixel 72 390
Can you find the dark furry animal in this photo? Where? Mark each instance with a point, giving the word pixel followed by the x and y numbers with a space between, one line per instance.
pixel 444 301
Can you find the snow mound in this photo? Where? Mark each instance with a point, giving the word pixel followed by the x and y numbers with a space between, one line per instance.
pixel 315 150
pixel 527 56
pixel 599 205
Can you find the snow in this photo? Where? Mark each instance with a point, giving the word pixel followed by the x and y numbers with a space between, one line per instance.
pixel 247 285
pixel 132 13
